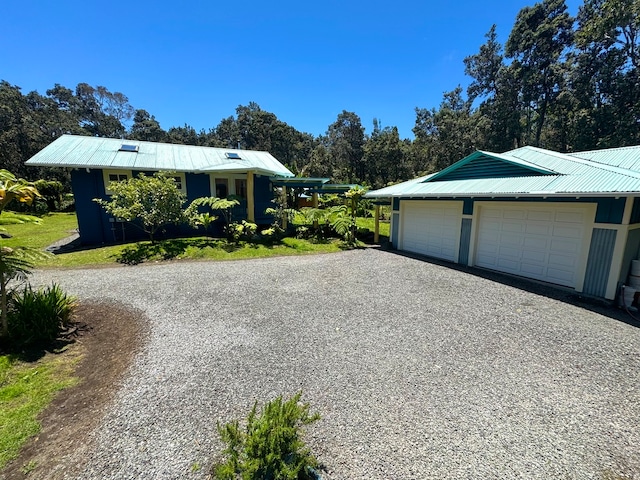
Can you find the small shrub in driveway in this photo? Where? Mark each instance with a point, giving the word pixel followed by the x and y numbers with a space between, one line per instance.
pixel 269 447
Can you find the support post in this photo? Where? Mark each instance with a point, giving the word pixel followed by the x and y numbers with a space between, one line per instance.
pixel 315 205
pixel 251 209
pixel 284 207
pixel 376 232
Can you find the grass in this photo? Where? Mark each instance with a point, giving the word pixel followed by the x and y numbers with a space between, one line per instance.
pixel 56 226
pixel 52 227
pixel 25 390
pixel 370 224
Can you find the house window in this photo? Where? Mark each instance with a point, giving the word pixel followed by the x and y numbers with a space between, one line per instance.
pixel 222 187
pixel 111 176
pixel 241 187
pixel 181 184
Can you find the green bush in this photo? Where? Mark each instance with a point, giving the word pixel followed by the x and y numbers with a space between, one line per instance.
pixel 37 317
pixel 269 447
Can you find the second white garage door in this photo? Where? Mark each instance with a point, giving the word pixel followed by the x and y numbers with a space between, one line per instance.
pixel 545 242
pixel 431 228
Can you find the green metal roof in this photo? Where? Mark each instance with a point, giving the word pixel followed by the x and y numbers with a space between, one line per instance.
pixel 305 182
pixel 560 174
pixel 106 153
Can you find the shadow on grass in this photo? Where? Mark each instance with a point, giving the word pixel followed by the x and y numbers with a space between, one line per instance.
pixel 34 353
pixel 162 250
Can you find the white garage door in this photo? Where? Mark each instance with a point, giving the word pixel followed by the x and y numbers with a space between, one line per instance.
pixel 544 241
pixel 431 228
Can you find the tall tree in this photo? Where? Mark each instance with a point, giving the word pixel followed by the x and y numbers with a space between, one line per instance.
pixel 385 157
pixel 606 77
pixel 146 127
pixel 345 141
pixel 539 39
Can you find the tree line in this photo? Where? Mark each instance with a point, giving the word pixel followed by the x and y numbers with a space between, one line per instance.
pixel 558 82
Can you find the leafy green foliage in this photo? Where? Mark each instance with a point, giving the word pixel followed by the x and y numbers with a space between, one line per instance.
pixel 52 192
pixel 270 445
pixel 223 205
pixel 38 317
pixel 154 201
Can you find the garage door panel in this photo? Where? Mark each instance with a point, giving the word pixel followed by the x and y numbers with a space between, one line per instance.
pixel 565 231
pixel 534 256
pixel 539 241
pixel 515 214
pixel 511 239
pixel 570 217
pixel 432 228
pixel 537 228
pixel 531 270
pixel 540 215
pixel 564 260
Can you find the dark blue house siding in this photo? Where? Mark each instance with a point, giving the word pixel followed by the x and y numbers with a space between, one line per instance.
pixel 87 186
pixel 603 241
pixel 97 227
pixel 465 240
pixel 263 194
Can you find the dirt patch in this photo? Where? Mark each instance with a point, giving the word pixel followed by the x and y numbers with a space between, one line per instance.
pixel 109 337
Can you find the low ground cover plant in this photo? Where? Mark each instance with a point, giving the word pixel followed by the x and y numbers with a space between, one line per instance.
pixel 37 317
pixel 269 446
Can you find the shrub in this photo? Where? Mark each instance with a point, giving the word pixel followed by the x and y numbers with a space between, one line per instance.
pixel 270 446
pixel 38 317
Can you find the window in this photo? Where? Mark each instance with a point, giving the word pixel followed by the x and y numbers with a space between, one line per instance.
pixel 233 156
pixel 129 148
pixel 111 176
pixel 222 187
pixel 117 177
pixel 179 178
pixel 241 187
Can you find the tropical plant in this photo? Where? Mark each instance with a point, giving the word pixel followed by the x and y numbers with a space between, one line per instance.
pixel 224 205
pixel 18 189
pixel 270 445
pixel 38 317
pixel 154 200
pixel 14 262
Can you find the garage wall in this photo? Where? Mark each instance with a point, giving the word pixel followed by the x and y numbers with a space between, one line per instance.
pixel 596 278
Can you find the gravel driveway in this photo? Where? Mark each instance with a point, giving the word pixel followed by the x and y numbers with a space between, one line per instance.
pixel 419 371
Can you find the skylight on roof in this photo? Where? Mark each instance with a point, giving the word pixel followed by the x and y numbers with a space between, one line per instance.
pixel 233 156
pixel 128 148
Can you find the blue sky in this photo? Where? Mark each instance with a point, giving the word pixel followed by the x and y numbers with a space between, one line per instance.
pixel 194 61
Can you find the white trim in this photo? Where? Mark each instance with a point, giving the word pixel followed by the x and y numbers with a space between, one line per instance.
pixel 628 207
pixel 231 182
pixel 120 173
pixel 183 180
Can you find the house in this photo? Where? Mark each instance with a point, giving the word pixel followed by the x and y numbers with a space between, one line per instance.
pixel 198 171
pixel 566 219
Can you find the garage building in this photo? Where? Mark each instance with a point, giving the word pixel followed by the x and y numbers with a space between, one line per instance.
pixel 567 219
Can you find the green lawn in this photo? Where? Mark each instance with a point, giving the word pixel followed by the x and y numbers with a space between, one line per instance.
pixel 56 226
pixel 51 228
pixel 369 223
pixel 25 390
